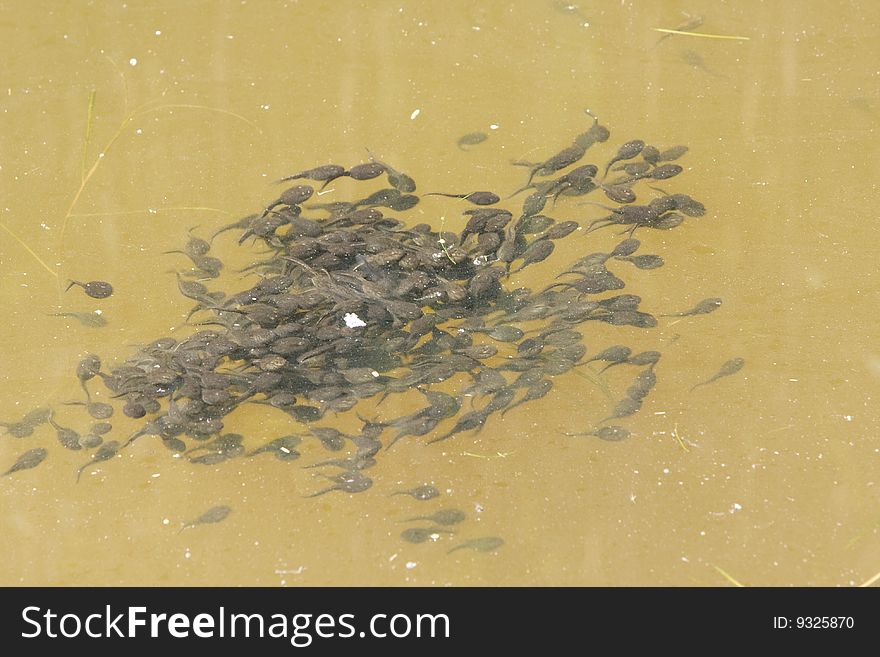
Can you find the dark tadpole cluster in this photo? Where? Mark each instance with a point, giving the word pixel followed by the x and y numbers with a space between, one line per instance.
pixel 354 302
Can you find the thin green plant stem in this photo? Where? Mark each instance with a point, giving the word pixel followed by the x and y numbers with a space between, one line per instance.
pixel 119 132
pixel 29 250
pixel 90 119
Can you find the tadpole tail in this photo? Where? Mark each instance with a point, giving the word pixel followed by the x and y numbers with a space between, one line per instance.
pixel 560 284
pixel 86 390
pixel 320 492
pixel 603 222
pixel 393 440
pixel 137 434
pixel 296 176
pixel 514 405
pixel 519 191
pixel 437 440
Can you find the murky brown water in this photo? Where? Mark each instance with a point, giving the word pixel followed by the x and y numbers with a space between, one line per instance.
pixel 766 477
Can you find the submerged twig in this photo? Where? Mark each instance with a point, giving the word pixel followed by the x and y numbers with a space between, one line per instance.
pixel 869 582
pixel 702 34
pixel 728 577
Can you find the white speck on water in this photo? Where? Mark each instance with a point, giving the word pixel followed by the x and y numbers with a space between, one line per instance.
pixel 285 450
pixel 264 107
pixel 353 321
pixel 291 571
pixel 392 557
pixel 494 126
pixel 478 508
pixel 411 564
pixel 187 554
pixel 735 507
pixel 165 521
pixel 415 113
pixel 133 61
pixel 158 32
pixel 155 475
pixel 99 312
pixel 138 132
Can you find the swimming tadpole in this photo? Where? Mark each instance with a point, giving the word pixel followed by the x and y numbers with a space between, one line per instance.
pixel 729 368
pixel 94 289
pixel 482 544
pixel 443 517
pixel 471 139
pixel 422 493
pixel 28 460
pixel 213 515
